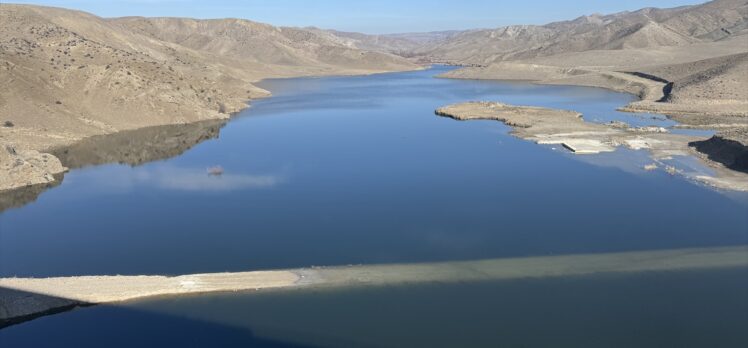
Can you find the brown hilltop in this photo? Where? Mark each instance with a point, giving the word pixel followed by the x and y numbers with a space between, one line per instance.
pixel 646 28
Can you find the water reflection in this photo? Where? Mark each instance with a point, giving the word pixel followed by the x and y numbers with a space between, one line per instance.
pixel 652 309
pixel 168 177
pixel 19 197
pixel 333 185
pixel 136 147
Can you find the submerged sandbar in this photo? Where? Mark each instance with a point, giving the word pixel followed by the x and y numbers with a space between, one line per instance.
pixel 23 299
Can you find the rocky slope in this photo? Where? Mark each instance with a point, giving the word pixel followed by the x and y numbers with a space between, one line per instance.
pixel 646 28
pixel 260 46
pixel 719 77
pixel 405 44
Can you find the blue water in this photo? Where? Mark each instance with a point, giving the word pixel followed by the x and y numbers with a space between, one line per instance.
pixel 359 170
pixel 664 309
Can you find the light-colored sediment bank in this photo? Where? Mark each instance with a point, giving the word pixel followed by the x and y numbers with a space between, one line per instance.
pixel 653 91
pixel 21 168
pixel 702 94
pixel 569 129
pixel 25 298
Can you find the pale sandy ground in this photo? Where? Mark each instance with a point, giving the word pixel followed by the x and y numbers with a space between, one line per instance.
pixel 689 63
pixel 702 85
pixel 568 128
pixel 709 79
pixel 23 298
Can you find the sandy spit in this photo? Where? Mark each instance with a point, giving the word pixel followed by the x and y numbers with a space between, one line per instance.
pixel 26 298
pixel 569 129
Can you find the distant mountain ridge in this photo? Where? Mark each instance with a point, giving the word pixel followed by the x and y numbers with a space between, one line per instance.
pixel 649 27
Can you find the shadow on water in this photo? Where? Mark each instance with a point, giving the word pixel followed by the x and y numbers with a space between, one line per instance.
pixel 134 147
pixel 651 309
pixel 18 306
pixel 124 327
pixel 19 197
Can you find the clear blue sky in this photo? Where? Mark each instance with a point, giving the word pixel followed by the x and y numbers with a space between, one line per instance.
pixel 381 16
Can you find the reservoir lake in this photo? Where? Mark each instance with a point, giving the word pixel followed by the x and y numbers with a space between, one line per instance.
pixel 359 170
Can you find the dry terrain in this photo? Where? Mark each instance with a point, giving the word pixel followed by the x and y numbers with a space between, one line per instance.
pixel 689 63
pixel 569 129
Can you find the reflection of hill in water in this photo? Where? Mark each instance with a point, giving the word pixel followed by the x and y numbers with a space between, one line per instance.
pixel 19 197
pixel 138 146
pixel 132 147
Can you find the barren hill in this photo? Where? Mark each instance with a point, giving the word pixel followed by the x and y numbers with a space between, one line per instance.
pixel 700 51
pixel 690 63
pixel 719 77
pixel 405 44
pixel 261 44
pixel 650 27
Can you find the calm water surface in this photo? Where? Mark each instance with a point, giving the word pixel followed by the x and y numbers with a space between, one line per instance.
pixel 335 171
pixel 680 309
pixel 359 170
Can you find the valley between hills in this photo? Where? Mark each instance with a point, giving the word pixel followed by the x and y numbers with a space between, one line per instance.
pixel 66 75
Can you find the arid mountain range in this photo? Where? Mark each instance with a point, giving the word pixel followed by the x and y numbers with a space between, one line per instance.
pixel 67 75
pixel 650 27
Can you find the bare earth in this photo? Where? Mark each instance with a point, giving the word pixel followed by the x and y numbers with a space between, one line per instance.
pixel 705 94
pixel 25 298
pixel 569 129
pixel 689 63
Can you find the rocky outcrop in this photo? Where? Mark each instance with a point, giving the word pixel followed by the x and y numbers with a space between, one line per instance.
pixel 731 153
pixel 26 168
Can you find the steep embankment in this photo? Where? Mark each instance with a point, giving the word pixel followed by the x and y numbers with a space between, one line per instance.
pixel 726 148
pixel 67 75
pixel 715 85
